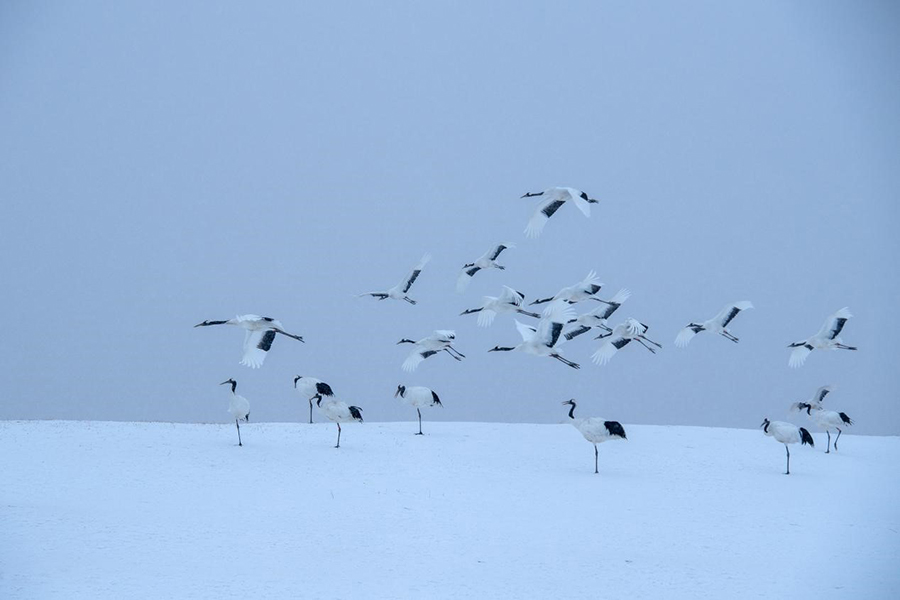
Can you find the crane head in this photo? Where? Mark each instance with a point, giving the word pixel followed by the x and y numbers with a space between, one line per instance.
pixel 232 382
pixel 765 424
pixel 296 379
pixel 401 390
pixel 570 401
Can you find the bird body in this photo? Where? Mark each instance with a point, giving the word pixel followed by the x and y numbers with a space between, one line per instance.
pixel 508 301
pixel 417 397
pixel 598 316
pixel 596 430
pixel 439 341
pixel 338 412
pixel 312 389
pixel 826 339
pixel 399 291
pixel 787 433
pixel 260 333
pixel 238 407
pixel 552 200
pixel 488 260
pixel 622 334
pixel 583 290
pixel 542 340
pixel 718 324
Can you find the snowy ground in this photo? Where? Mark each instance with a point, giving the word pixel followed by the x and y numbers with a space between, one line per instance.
pixel 149 510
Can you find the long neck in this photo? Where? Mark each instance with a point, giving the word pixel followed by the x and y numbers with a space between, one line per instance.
pixel 572 412
pixel 406 341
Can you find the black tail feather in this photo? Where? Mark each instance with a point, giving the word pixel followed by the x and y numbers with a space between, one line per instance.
pixel 845 418
pixel 356 413
pixel 805 438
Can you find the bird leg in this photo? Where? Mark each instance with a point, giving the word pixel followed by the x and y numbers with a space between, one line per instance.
pixel 565 361
pixel 828 445
pixel 645 345
pixel 339 436
pixel 528 314
pixel 420 421
pixel 837 438
pixel 786 449
pixel 843 347
pixel 451 354
pixel 729 337
pixel 238 425
pixel 458 353
pixel 651 341
pixel 408 299
pixel 310 409
pixel 596 470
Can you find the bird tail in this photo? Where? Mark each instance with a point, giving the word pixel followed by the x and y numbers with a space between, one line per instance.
pixel 845 418
pixel 805 438
pixel 356 413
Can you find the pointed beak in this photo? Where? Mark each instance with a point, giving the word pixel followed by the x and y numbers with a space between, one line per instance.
pixel 296 379
pixel 200 324
pixel 224 382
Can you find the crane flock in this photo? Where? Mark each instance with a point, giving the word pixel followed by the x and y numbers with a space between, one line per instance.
pixel 557 324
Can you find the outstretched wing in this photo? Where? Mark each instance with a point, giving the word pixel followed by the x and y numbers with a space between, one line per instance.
pixel 582 204
pixel 511 296
pixel 608 349
pixel 551 324
pixel 412 361
pixel 685 336
pixel 729 312
pixel 833 325
pixel 500 248
pixel 798 356
pixel 256 345
pixel 465 277
pixel 486 317
pixel 821 393
pixel 525 331
pixel 411 279
pixel 545 210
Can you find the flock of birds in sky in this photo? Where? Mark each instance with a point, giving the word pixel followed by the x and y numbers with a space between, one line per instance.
pixel 556 323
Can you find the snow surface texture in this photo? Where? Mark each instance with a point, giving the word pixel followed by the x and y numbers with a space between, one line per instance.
pixel 149 510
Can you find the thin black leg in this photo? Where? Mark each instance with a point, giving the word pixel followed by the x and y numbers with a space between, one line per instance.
pixel 837 438
pixel 596 454
pixel 339 436
pixel 419 412
pixel 786 449
pixel 828 445
pixel 310 410
pixel 238 425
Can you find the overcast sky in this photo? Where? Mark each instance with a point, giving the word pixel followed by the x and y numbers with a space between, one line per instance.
pixel 166 163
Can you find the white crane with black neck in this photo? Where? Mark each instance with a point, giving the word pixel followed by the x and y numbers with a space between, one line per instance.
pixel 552 200
pixel 595 430
pixel 509 301
pixel 542 340
pixel 822 418
pixel 787 433
pixel 338 412
pixel 586 289
pixel 488 260
pixel 311 389
pixel 259 337
pixel 439 341
pixel 826 339
pixel 622 334
pixel 399 291
pixel 239 407
pixel 717 324
pixel 417 397
pixel 598 316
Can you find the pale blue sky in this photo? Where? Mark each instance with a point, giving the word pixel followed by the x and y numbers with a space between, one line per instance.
pixel 167 163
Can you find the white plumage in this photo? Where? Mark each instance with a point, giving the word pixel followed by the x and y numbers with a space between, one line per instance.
pixel 260 333
pixel 553 199
pixel 596 430
pixel 311 389
pixel 583 290
pixel 399 291
pixel 488 260
pixel 418 397
pixel 718 324
pixel 508 301
pixel 826 339
pixel 542 340
pixel 598 316
pixel 622 335
pixel 824 419
pixel 787 433
pixel 238 407
pixel 338 412
pixel 439 341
